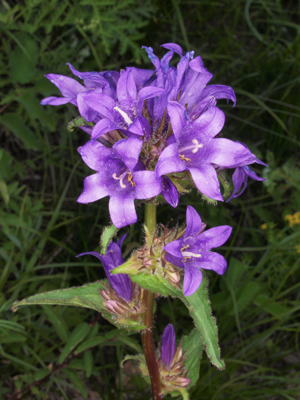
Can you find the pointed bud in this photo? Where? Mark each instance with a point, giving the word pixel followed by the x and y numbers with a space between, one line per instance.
pixel 181 381
pixel 168 345
pixel 121 283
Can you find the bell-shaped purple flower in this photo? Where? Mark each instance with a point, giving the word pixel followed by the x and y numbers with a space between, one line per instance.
pixel 194 148
pixel 120 175
pixel 168 345
pixel 240 178
pixel 124 112
pixel 120 283
pixel 192 251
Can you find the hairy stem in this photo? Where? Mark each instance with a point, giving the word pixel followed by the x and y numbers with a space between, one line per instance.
pixel 147 334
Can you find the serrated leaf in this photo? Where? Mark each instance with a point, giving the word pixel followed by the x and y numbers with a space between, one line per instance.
pixel 15 123
pixel 87 296
pixel 192 347
pixel 106 237
pixel 76 337
pixel 83 296
pixel 59 324
pixel 152 283
pixel 198 305
pixel 199 308
pixel 88 363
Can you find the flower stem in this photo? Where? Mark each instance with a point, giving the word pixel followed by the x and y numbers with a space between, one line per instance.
pixel 147 335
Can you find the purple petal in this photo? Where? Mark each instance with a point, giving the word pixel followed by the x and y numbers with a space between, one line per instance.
pixel 169 161
pixel 252 174
pixel 169 192
pixel 148 93
pixel 154 59
pixel 55 101
pixel 140 76
pixel 101 103
pixel 103 126
pixel 192 280
pixel 121 240
pixel 173 46
pixel 122 211
pixel 239 178
pixel 94 188
pixel 220 92
pixel 210 122
pixel 229 154
pixel 85 111
pixel 147 184
pixel 129 151
pixel 207 182
pixel 120 283
pixel 214 237
pixel 67 86
pixel 174 248
pixel 140 126
pixel 126 89
pixel 215 262
pixel 94 154
pixel 174 260
pixel 168 345
pixel 193 222
pixel 177 115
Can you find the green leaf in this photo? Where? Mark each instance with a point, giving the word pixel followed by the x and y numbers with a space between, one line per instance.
pixel 35 110
pixel 74 378
pixel 58 322
pixel 106 237
pixel 155 284
pixel 199 308
pixel 76 337
pixel 198 305
pixel 4 192
pixel 23 59
pixel 87 296
pixel 15 123
pixel 88 363
pixel 192 348
pixel 87 344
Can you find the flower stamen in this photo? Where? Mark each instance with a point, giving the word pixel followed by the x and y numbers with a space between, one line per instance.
pixel 124 115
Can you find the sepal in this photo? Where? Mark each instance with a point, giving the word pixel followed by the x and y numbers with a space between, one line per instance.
pixel 78 122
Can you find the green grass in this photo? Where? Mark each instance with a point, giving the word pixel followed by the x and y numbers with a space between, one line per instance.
pixel 254 47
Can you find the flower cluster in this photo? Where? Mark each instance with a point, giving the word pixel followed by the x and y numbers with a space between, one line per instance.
pixel 152 130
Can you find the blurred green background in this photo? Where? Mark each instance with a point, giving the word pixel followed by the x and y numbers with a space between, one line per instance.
pixel 253 46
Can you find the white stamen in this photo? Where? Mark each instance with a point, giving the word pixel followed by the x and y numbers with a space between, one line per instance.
pixel 194 148
pixel 124 115
pixel 190 254
pixel 120 178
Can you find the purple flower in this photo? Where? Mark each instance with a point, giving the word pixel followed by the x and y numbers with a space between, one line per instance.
pixel 73 92
pixel 120 175
pixel 192 251
pixel 120 283
pixel 168 345
pixel 240 177
pixel 186 83
pixel 124 112
pixel 194 148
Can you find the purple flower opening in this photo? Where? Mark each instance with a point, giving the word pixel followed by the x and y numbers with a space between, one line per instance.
pixel 121 283
pixel 192 251
pixel 168 345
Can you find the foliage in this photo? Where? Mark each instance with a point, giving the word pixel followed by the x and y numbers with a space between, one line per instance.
pixel 254 47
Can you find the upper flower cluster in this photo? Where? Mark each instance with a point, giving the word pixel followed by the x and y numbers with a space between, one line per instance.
pixel 152 130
